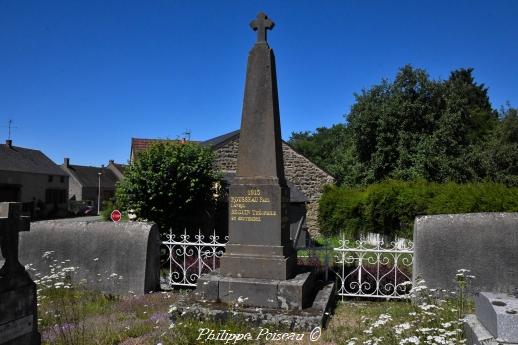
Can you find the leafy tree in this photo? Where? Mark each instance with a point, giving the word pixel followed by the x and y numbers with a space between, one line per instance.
pixel 329 148
pixel 498 158
pixel 172 184
pixel 414 128
pixel 420 128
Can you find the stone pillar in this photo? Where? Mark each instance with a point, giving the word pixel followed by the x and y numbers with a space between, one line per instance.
pixel 18 314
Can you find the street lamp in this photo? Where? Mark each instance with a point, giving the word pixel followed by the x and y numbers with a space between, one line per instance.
pixel 99 194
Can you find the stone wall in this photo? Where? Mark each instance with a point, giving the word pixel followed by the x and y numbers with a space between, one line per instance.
pixel 308 177
pixel 226 155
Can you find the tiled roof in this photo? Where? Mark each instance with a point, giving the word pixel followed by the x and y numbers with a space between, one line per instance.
pixel 88 176
pixel 220 140
pixel 14 158
pixel 139 144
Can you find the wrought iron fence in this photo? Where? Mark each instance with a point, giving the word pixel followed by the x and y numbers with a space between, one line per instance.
pixel 185 261
pixel 364 268
pixel 369 268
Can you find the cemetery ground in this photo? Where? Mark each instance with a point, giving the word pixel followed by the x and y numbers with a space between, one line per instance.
pixel 69 314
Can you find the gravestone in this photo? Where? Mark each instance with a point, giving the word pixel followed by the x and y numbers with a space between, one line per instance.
pixel 484 243
pixel 99 249
pixel 259 268
pixel 18 316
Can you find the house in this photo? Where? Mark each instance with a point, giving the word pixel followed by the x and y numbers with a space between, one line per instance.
pixel 117 168
pixel 301 173
pixel 88 183
pixel 30 177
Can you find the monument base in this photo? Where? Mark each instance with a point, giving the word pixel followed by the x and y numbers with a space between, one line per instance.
pixel 262 267
pixel 288 313
pixel 18 318
pixel 295 293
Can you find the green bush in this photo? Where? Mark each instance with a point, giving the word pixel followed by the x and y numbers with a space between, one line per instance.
pixel 172 184
pixel 390 207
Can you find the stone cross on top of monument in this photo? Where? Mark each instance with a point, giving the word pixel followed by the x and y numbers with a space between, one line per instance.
pixel 261 24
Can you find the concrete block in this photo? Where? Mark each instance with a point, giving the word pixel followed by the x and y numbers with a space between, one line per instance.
pixel 498 313
pixel 296 293
pixel 254 292
pixel 207 287
pixel 476 333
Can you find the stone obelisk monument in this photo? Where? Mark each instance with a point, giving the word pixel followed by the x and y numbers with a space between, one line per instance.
pixel 259 264
pixel 259 238
pixel 259 267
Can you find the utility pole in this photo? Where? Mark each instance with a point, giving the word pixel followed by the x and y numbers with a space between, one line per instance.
pixel 99 193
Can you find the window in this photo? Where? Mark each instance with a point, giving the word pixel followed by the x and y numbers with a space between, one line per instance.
pixel 51 178
pixel 62 179
pixel 57 196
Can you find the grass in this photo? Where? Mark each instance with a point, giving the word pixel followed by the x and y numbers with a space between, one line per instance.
pixel 132 320
pixel 127 320
pixel 70 315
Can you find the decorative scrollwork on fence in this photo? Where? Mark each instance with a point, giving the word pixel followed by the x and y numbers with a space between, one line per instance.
pixel 367 268
pixel 364 268
pixel 187 260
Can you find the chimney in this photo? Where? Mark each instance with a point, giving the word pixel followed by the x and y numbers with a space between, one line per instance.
pixel 67 162
pixel 111 161
pixel 9 143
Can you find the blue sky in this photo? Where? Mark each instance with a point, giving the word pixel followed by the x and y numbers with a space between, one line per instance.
pixel 81 78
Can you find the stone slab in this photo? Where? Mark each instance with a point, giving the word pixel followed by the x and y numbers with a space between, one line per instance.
pixel 296 320
pixel 17 303
pixel 254 292
pixel 128 249
pixel 295 293
pixel 18 314
pixel 16 328
pixel 476 333
pixel 484 243
pixel 498 313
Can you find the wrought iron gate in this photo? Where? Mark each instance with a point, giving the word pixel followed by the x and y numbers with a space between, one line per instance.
pixel 364 268
pixel 185 261
pixel 373 269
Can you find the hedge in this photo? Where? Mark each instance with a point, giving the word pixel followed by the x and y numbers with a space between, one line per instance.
pixel 390 207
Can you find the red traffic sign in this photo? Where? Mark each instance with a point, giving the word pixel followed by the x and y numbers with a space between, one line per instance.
pixel 116 215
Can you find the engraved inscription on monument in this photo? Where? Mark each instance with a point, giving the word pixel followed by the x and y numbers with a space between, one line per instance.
pixel 250 207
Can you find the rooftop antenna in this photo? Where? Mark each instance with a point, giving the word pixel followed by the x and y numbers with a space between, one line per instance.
pixel 10 127
pixel 187 133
